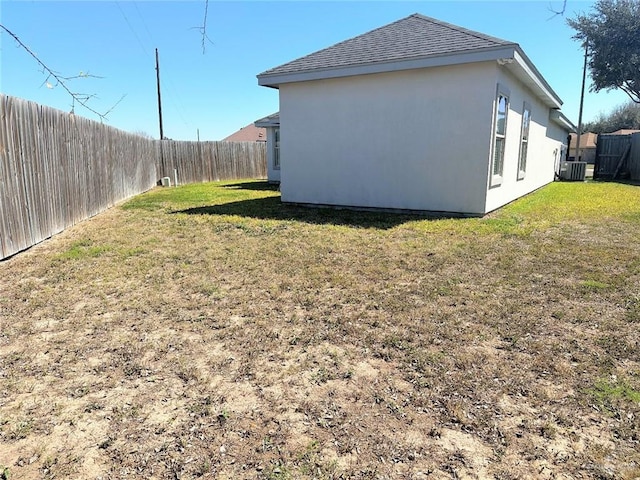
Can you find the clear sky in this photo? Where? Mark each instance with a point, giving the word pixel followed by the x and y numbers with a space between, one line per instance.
pixel 217 92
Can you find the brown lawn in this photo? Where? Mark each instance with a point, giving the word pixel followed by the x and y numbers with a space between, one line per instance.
pixel 210 332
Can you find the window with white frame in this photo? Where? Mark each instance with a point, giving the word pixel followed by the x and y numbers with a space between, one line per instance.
pixel 524 140
pixel 500 135
pixel 276 148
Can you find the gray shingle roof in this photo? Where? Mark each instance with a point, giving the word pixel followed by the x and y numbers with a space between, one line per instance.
pixel 269 121
pixel 413 37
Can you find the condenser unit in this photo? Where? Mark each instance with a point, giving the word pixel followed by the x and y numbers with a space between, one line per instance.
pixel 575 171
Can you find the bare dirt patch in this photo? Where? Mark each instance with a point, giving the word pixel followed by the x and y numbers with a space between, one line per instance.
pixel 159 341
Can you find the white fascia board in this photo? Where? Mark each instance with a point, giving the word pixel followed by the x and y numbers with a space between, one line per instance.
pixel 267 123
pixel 535 79
pixel 558 117
pixel 273 80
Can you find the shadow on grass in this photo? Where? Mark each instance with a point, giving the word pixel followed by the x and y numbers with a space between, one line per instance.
pixel 259 186
pixel 271 208
pixel 623 181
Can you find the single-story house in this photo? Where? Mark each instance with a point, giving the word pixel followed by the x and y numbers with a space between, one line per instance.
pixel 417 115
pixel 250 133
pixel 587 147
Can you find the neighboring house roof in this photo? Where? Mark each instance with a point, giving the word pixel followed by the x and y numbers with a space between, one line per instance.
pixel 250 133
pixel 272 120
pixel 624 131
pixel 587 140
pixel 416 41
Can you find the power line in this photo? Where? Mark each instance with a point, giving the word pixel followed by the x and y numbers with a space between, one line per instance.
pixel 167 76
pixel 135 34
pixel 132 29
pixel 174 91
pixel 144 24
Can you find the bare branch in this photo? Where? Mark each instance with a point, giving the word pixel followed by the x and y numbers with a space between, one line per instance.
pixel 54 79
pixel 203 28
pixel 114 105
pixel 81 75
pixel 558 12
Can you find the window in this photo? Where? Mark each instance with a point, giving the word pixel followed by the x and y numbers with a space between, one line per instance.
pixel 524 140
pixel 276 148
pixel 499 140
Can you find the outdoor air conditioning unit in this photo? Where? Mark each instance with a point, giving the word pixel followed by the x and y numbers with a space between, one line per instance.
pixel 575 171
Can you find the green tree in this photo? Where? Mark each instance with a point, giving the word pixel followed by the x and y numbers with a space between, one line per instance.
pixel 612 34
pixel 623 116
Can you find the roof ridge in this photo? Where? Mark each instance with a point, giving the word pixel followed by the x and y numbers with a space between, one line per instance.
pixel 412 37
pixel 460 29
pixel 339 43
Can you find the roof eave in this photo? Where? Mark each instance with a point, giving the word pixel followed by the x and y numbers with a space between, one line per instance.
pixel 558 117
pixel 483 55
pixel 526 71
pixel 520 66
pixel 272 120
pixel 259 123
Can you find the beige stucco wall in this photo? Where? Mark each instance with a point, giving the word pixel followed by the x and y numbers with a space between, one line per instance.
pixel 545 145
pixel 417 139
pixel 557 135
pixel 407 140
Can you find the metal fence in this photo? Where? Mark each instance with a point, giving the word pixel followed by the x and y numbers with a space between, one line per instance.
pixel 57 169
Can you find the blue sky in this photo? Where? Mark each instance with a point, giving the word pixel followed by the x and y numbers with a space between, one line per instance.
pixel 217 92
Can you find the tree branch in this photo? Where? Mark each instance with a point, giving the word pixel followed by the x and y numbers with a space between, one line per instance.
pixel 81 98
pixel 630 91
pixel 558 12
pixel 611 32
pixel 114 105
pixel 81 75
pixel 203 28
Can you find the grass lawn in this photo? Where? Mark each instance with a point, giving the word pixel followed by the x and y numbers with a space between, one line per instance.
pixel 207 331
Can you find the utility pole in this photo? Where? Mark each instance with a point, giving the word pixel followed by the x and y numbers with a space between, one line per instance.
pixel 584 76
pixel 159 99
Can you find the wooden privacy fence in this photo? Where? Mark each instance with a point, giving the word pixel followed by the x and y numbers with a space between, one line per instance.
pixel 57 169
pixel 617 156
pixel 211 161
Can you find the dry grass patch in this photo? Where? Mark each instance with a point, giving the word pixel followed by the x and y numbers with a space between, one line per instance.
pixel 208 331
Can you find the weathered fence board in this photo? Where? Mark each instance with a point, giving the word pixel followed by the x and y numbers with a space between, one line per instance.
pixel 617 156
pixel 634 157
pixel 57 169
pixel 54 171
pixel 211 161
